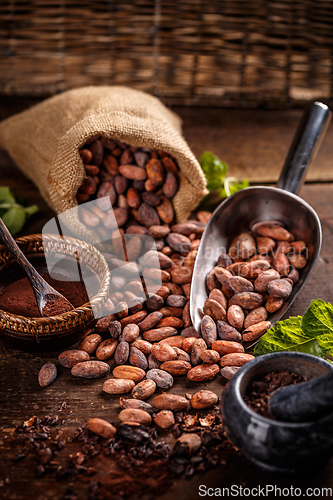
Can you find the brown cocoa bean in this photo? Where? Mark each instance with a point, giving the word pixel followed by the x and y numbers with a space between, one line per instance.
pixel 186 228
pixel 143 346
pixel 102 324
pixel 176 367
pixel 155 172
pixel 171 311
pixel 144 389
pixel 240 284
pixel 280 289
pixel 131 372
pixel 88 218
pixel 133 198
pixel 179 242
pixel 162 379
pixel 224 260
pixel 135 403
pixel 123 310
pixel 199 346
pixel 47 374
pixel 137 358
pixel 235 317
pixel 164 260
pixel 163 352
pixel 281 264
pixel 190 332
pixel 133 318
pixel 272 304
pixel 173 342
pixel 165 210
pixel 130 332
pixel 293 275
pixel 202 373
pixel 106 189
pixel 90 369
pixel 214 310
pixel 170 186
pixel 235 359
pixel 181 275
pixel 253 332
pixel 151 198
pixel 272 231
pixel 163 292
pixel 164 419
pixel 176 300
pixel 121 353
pixel 261 282
pixel 101 428
pixel 118 386
pixel 157 334
pixel 255 316
pixel 227 346
pixel 70 358
pixel 170 321
pixel 150 321
pixel 297 260
pixel 227 332
pixel 228 372
pixel 212 282
pixel 90 343
pixel 204 399
pixel 106 349
pixel 187 290
pixel 265 245
pixel 182 355
pixel 210 357
pixel 148 215
pixel 208 330
pixel 171 402
pixel 153 362
pixel 219 297
pixel 298 246
pixel 223 276
pixel 247 300
pixel 120 184
pixel 243 246
pixel 86 155
pixel 133 173
pixel 186 316
pixel 254 268
pixel 158 231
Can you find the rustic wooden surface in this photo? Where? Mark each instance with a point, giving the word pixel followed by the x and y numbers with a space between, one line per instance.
pixel 20 395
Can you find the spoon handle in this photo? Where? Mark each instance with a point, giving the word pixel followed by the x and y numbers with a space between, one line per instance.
pixel 39 285
pixel 304 147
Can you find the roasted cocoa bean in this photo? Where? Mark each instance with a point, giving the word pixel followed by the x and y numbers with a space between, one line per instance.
pixel 135 415
pixel 239 284
pixel 188 344
pixel 170 321
pixel 135 403
pixel 255 316
pixel 47 374
pixel 165 210
pixel 229 371
pixel 144 389
pixel 102 324
pixel 228 332
pixel 151 320
pixel 235 359
pixel 101 428
pixel 90 369
pixel 208 330
pixel 164 419
pixel 173 402
pixel 219 297
pixel 70 358
pixel 202 373
pixel 179 242
pixel 131 372
pixel 106 349
pixel 143 346
pixel 261 282
pixel 199 346
pixel 235 317
pixel 176 367
pixel 122 353
pixel 161 378
pixel 227 346
pixel 130 332
pixel 204 399
pixel 253 332
pixel 90 343
pixel 118 386
pixel 210 357
pixel 214 310
pixel 158 334
pixel 137 358
pixel 223 276
pixel 247 300
pixel 280 289
pixel 134 318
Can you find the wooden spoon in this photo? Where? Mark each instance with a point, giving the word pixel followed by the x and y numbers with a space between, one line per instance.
pixel 49 301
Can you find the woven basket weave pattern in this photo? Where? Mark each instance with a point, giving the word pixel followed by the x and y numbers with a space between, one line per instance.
pixel 230 52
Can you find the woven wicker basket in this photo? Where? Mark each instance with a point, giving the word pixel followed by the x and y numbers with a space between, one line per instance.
pixel 228 52
pixel 67 328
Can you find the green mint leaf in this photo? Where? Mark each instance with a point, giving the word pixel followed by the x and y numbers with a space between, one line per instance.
pixel 287 335
pixel 6 195
pixel 214 169
pixel 318 319
pixel 14 219
pixel 232 187
pixel 29 211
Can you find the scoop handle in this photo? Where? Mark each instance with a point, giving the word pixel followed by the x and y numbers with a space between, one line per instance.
pixel 304 147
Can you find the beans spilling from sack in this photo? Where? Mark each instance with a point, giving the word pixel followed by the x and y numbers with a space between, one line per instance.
pixel 139 182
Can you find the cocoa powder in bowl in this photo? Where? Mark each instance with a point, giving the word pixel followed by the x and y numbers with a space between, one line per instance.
pixel 19 298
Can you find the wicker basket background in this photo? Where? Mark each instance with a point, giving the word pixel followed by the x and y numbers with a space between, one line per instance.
pixel 226 52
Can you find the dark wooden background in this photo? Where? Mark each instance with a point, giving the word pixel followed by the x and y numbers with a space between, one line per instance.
pixel 254 143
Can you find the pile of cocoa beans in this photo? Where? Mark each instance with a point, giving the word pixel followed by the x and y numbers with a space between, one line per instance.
pixel 139 183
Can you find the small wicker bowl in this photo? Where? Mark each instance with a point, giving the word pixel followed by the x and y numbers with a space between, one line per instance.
pixel 56 332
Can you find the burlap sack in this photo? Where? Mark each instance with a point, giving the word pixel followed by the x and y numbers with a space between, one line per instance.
pixel 44 141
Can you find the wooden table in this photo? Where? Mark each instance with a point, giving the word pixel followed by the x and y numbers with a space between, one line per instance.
pixel 254 143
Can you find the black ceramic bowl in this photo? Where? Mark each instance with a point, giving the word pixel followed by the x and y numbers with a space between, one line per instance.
pixel 273 445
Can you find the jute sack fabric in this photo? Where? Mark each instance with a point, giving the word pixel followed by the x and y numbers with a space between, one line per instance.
pixel 44 141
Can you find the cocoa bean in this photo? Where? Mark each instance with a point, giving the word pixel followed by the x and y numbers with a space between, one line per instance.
pixel 165 210
pixel 280 288
pixel 158 334
pixel 144 346
pixel 133 318
pixel 293 275
pixel 186 316
pixel 254 268
pixel 144 389
pixel 235 317
pixel 181 275
pixel 272 304
pixel 261 282
pixel 137 358
pixel 158 231
pixel 131 372
pixel 164 260
pixel 123 310
pixel 202 373
pixel 135 403
pixel 210 357
pixel 122 353
pixel 86 155
pixel 298 246
pixel 224 260
pixel 148 215
pixel 176 367
pixel 208 330
pixel 265 245
pixel 90 369
pixel 106 349
pixel 106 189
pixel 153 362
pixel 197 349
pixel 229 371
pixel 253 332
pixel 133 173
pixel 149 321
pixel 170 186
pixel 214 310
pixel 223 276
pixel 164 419
pixel 161 378
pixel 247 300
pixel 70 358
pixel 170 321
pixel 240 284
pixel 212 282
pixel 227 332
pixel 97 151
pixel 171 402
pixel 181 354
pixel 175 342
pixel 163 352
pixel 272 231
pixel 120 184
pixel 187 290
pixel 235 359
pixel 243 246
pixel 188 344
pixel 118 386
pixel 204 399
pixel 101 428
pixel 171 311
pixel 88 218
pixel 130 332
pixel 190 332
pixel 219 297
pixel 47 374
pixel 102 324
pixel 255 316
pixel 135 415
pixel 297 260
pixel 155 172
pixel 227 346
pixel 90 343
pixel 176 301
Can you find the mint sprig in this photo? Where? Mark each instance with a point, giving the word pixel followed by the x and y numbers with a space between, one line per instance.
pixel 216 171
pixel 13 214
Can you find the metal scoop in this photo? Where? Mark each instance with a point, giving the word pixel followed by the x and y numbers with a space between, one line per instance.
pixel 243 209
